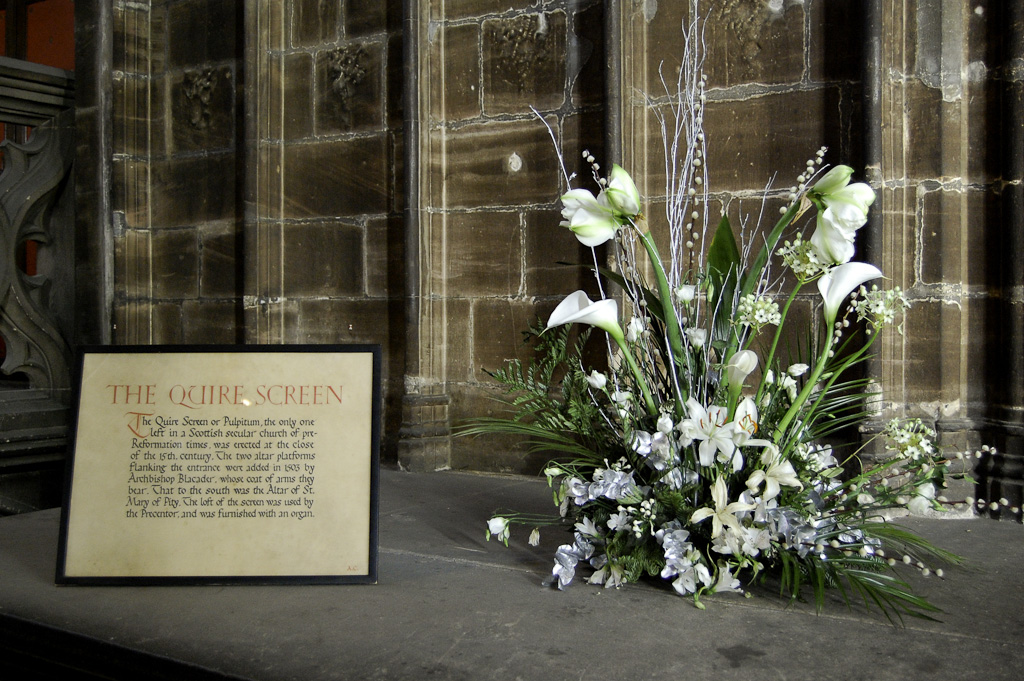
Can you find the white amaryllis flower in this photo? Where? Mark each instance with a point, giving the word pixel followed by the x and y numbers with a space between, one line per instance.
pixel 589 217
pixel 621 192
pixel 635 329
pixel 922 501
pixel 498 527
pixel 797 370
pixel 739 367
pixel 846 211
pixel 777 472
pixel 697 337
pixel 685 293
pixel 709 426
pixel 577 308
pixel 597 380
pixel 724 513
pixel 839 282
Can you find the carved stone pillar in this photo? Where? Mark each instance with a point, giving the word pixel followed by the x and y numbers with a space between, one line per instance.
pixel 425 435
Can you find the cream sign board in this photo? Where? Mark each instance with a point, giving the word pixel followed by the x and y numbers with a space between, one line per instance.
pixel 240 464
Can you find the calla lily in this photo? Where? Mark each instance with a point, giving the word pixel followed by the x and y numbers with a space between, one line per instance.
pixel 589 217
pixel 739 367
pixel 577 308
pixel 621 192
pixel 840 282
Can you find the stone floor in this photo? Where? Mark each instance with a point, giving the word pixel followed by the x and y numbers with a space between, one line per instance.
pixel 449 605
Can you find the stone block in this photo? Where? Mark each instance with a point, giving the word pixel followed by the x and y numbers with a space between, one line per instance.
pixel 333 320
pixel 932 353
pixel 175 263
pixel 363 17
pixel 350 88
pixel 395 82
pixel 581 131
pixel 585 63
pixel 314 22
pixel 750 42
pixel 758 137
pixel 211 322
pixel 297 93
pixel 933 144
pixel 221 273
pixel 498 327
pixel 139 44
pixel 836 45
pixel 494 453
pixel 385 264
pixel 941 239
pixel 192 190
pixel 166 322
pixel 336 178
pixel 203 109
pixel 138 113
pixel 548 244
pixel 483 252
pixel 321 259
pixel 496 164
pixel 204 31
pixel 524 63
pixel 396 174
pixel 458 349
pixel 461 71
pixel 462 9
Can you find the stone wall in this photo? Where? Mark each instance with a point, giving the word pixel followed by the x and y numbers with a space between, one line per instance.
pixel 176 162
pixel 359 171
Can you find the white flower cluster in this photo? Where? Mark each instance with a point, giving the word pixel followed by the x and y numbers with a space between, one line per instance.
pixel 758 311
pixel 802 258
pixel 879 307
pixel 909 439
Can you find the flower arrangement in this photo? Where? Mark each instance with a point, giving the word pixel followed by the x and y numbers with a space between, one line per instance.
pixel 699 456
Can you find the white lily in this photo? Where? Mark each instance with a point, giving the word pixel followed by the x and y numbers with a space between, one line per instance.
pixel 778 472
pixel 577 308
pixel 746 425
pixel 621 192
pixel 840 282
pixel 589 217
pixel 597 380
pixel 724 513
pixel 709 426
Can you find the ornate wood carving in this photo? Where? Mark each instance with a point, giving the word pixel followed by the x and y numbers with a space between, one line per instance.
pixel 33 175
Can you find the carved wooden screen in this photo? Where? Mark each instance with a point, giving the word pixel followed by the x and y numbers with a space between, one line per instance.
pixel 36 265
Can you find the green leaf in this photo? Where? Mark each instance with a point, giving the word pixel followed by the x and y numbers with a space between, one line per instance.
pixel 723 258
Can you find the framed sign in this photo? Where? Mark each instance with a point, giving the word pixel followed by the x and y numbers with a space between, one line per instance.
pixel 216 465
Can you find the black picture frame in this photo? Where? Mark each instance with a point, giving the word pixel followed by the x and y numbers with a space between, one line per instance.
pixel 328 532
